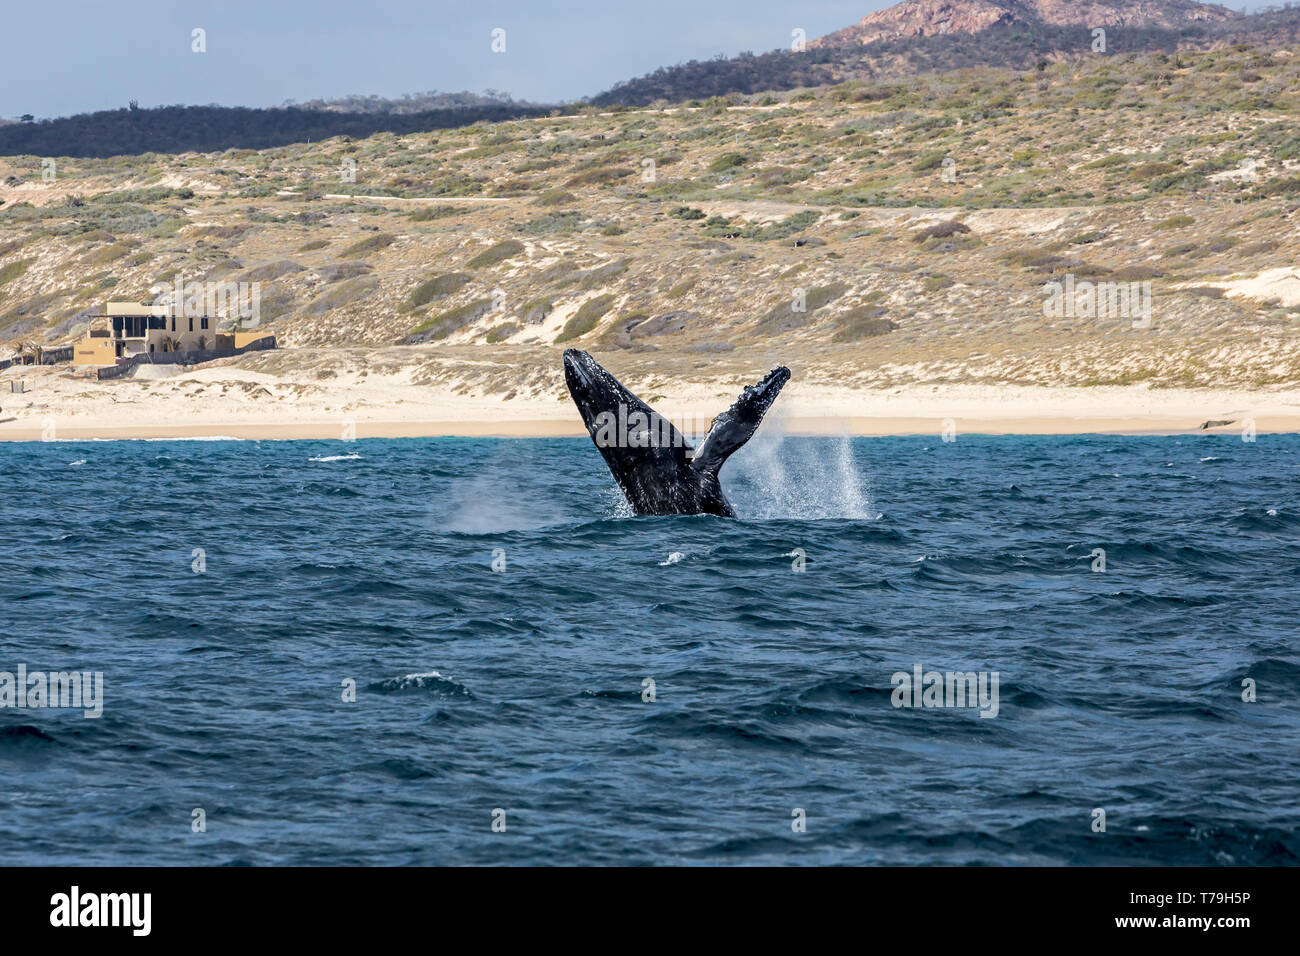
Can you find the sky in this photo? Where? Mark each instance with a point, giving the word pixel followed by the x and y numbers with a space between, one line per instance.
pixel 63 57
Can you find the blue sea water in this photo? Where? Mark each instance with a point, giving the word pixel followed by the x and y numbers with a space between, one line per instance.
pixel 229 590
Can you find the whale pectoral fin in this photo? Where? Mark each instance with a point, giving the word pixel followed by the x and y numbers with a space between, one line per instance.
pixel 629 433
pixel 737 424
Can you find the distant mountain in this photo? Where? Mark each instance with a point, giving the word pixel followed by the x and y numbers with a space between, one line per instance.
pixel 925 36
pixel 923 18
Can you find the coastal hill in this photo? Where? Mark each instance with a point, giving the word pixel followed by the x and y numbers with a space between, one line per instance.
pixel 908 39
pixel 872 235
pixel 926 36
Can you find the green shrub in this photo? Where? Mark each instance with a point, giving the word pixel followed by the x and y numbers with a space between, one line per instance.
pixel 535 311
pixel 434 288
pixel 786 227
pixel 864 322
pixel 428 213
pixel 929 161
pixel 442 325
pixel 599 176
pixel 495 254
pixel 728 161
pixel 555 197
pixel 106 254
pixel 13 270
pixel 598 276
pixel 783 317
pixel 168 227
pixel 940 230
pixel 1114 159
pixel 343 294
pixel 1151 171
pixel 380 240
pixel 585 319
pixel 552 222
pixel 1136 273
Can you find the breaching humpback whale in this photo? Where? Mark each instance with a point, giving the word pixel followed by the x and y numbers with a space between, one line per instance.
pixel 659 472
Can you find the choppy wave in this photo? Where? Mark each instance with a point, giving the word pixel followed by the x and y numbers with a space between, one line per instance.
pixel 370 657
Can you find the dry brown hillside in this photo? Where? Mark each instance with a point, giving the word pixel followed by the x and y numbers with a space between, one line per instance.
pixel 916 223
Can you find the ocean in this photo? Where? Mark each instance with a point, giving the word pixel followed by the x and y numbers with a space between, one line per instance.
pixel 456 651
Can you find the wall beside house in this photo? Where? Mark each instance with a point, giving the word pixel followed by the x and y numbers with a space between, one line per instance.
pixel 96 351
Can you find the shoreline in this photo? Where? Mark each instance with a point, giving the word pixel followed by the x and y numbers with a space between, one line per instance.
pixel 404 399
pixel 855 426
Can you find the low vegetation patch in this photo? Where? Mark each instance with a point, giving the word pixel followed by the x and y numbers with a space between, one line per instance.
pixel 435 288
pixel 13 270
pixel 940 230
pixel 788 314
pixel 496 254
pixel 429 213
pixel 556 197
pixel 501 332
pixel 727 162
pixel 368 245
pixel 444 324
pixel 585 319
pixel 599 176
pixel 864 322
pixel 535 311
pixel 341 295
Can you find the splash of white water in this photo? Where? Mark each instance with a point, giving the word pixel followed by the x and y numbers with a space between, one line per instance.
pixel 487 505
pixel 776 476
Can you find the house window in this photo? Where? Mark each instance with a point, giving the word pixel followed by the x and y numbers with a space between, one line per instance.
pixel 191 323
pixel 203 323
pixel 173 323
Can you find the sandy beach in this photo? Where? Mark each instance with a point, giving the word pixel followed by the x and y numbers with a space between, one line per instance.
pixel 234 402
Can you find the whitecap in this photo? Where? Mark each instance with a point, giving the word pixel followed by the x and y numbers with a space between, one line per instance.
pixel 426 680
